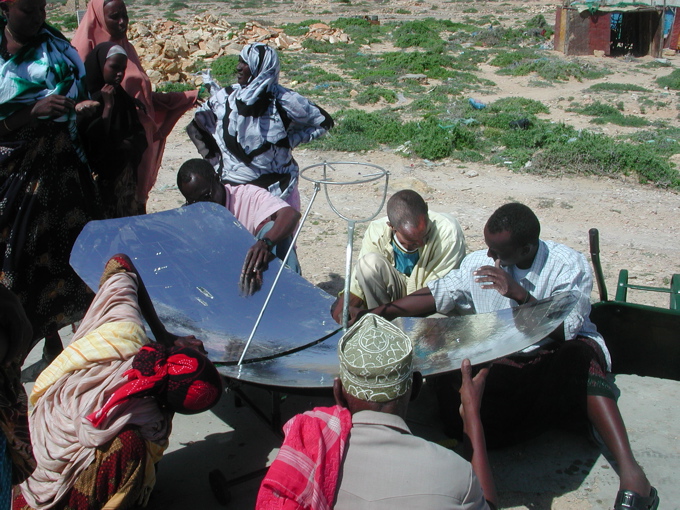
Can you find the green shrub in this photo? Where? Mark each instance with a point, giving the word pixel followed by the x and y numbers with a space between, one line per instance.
pixel 419 34
pixel 554 69
pixel 508 58
pixel 672 81
pixel 298 29
pixel 616 87
pixel 175 87
pixel 598 109
pixel 356 130
pixel 224 69
pixel 319 46
pixel 539 26
pixel 621 120
pixel 361 30
pixel 432 141
pixel 373 94
pixel 594 154
pixel 518 105
pixel 312 74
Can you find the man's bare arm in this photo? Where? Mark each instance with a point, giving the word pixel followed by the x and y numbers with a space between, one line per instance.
pixel 258 256
pixel 417 304
pixel 471 392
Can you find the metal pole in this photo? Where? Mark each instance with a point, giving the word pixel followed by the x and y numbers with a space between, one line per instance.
pixel 317 187
pixel 348 273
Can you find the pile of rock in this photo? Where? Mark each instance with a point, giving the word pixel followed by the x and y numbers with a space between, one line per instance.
pixel 169 51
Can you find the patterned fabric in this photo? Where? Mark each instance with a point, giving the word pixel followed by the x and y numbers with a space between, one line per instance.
pixel 556 268
pixel 47 65
pixel 526 395
pixel 179 378
pixel 42 211
pixel 113 341
pixel 114 146
pixel 248 123
pixel 112 481
pixel 305 472
pixel 15 431
pixel 89 371
pixel 376 360
pixel 256 127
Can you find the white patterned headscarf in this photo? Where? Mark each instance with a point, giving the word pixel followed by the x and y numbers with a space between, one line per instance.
pixel 263 62
pixel 254 122
pixel 376 360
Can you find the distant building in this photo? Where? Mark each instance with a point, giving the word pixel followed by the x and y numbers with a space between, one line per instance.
pixel 615 27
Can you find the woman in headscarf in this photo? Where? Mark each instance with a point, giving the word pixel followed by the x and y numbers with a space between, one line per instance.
pixel 248 131
pixel 107 20
pixel 103 409
pixel 46 190
pixel 113 137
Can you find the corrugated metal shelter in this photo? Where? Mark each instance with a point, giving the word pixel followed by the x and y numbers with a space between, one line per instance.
pixel 639 28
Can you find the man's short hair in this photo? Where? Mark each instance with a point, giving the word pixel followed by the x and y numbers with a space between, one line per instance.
pixel 405 207
pixel 519 220
pixel 376 360
pixel 198 167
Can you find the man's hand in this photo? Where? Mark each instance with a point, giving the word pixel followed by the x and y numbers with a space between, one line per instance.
pixel 355 314
pixel 52 106
pixel 250 283
pixel 354 302
pixel 471 390
pixel 257 259
pixel 187 341
pixel 493 277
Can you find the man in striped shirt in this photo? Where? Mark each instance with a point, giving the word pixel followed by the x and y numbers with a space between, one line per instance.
pixel 562 382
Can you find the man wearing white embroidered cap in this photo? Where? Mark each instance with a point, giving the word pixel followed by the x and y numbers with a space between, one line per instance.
pixel 385 465
pixel 361 455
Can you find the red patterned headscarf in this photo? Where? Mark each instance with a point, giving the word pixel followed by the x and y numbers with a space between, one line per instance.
pixel 180 378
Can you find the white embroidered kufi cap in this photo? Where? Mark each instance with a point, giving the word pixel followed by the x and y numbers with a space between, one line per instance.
pixel 376 360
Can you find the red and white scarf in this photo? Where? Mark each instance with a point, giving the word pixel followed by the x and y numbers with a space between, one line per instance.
pixel 305 473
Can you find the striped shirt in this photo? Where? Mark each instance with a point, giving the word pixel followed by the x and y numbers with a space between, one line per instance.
pixel 556 268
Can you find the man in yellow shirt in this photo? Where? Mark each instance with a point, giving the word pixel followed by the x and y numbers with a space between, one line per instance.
pixel 403 252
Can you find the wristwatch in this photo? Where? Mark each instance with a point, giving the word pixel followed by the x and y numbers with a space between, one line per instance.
pixel 268 242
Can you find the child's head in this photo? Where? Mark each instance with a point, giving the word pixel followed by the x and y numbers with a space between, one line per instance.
pixel 113 70
pixel 105 64
pixel 198 182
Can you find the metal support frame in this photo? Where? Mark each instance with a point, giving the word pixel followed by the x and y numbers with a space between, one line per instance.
pixel 326 180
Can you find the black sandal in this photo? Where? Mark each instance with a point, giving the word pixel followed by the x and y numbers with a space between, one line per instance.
pixel 629 500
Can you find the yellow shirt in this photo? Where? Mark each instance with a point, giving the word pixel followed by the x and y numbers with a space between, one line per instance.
pixel 443 251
